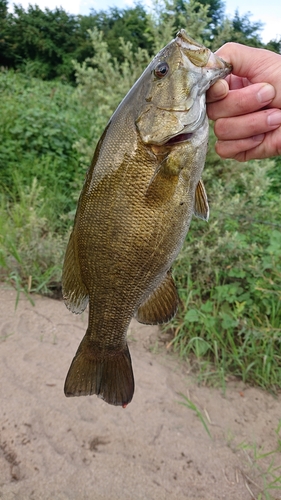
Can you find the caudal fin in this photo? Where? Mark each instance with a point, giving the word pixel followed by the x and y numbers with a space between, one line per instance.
pixel 108 374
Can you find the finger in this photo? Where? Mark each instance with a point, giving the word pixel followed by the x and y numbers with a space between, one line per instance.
pixel 269 147
pixel 242 101
pixel 221 88
pixel 237 149
pixel 252 148
pixel 237 82
pixel 217 91
pixel 254 65
pixel 241 127
pixel 244 59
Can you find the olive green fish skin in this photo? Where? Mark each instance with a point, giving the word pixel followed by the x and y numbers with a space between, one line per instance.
pixel 134 213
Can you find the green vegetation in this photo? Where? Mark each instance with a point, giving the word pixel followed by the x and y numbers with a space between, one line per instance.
pixel 192 406
pixel 229 271
pixel 229 278
pixel 44 43
pixel 262 469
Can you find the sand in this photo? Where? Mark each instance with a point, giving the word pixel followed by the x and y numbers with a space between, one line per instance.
pixel 58 448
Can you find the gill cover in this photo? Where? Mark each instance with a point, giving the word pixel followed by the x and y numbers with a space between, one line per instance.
pixel 175 101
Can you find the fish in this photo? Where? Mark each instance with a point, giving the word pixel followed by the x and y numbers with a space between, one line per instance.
pixel 138 198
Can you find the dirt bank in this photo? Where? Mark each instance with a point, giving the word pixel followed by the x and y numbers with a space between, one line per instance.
pixel 57 448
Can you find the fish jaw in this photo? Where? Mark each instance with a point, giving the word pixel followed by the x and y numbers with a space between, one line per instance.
pixel 177 104
pixel 212 66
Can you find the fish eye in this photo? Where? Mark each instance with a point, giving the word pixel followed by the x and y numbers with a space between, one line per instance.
pixel 161 69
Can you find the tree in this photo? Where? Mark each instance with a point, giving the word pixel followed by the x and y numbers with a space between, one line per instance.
pixel 274 45
pixel 130 23
pixel 44 43
pixel 5 52
pixel 216 11
pixel 246 32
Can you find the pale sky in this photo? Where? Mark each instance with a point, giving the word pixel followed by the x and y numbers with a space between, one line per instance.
pixel 269 12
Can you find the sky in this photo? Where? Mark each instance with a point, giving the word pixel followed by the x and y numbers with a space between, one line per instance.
pixel 269 12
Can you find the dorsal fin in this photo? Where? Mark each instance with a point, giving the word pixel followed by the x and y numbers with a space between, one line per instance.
pixel 201 206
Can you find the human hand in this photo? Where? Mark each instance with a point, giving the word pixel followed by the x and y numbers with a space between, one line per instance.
pixel 246 106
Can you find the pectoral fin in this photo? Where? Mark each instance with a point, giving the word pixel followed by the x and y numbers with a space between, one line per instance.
pixel 75 294
pixel 201 206
pixel 161 305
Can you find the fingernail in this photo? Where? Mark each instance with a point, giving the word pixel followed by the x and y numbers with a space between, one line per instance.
pixel 274 118
pixel 266 93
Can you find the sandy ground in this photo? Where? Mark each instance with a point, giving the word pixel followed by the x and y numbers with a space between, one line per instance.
pixel 57 448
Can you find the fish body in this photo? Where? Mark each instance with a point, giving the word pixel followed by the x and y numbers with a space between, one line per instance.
pixel 139 195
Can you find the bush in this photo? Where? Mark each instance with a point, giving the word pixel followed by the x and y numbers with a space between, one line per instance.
pixel 229 271
pixel 229 278
pixel 31 253
pixel 40 122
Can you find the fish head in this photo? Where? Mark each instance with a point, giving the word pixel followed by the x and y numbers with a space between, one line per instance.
pixel 174 92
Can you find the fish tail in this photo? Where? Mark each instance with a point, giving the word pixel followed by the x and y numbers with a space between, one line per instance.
pixel 108 374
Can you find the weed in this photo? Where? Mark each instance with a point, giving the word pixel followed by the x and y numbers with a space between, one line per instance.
pixel 3 338
pixel 31 252
pixel 229 271
pixel 229 280
pixel 192 406
pixel 266 468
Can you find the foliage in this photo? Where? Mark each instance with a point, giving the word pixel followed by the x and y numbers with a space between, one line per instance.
pixel 264 466
pixel 229 276
pixel 44 43
pixel 103 82
pixel 30 252
pixel 167 17
pixel 229 271
pixel 40 122
pixel 274 45
pixel 246 32
pixel 130 23
pixel 45 40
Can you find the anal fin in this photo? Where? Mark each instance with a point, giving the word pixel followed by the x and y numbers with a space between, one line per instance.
pixel 75 294
pixel 161 305
pixel 201 205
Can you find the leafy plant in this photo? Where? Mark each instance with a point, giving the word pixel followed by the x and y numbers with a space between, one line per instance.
pixel 229 276
pixel 229 271
pixel 31 253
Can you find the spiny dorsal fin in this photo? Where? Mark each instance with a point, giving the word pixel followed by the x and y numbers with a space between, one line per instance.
pixel 161 305
pixel 201 206
pixel 74 292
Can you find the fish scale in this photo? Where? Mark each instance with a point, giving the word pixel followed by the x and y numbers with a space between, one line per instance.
pixel 134 211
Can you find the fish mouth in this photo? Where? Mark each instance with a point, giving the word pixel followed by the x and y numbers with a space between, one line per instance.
pixel 183 137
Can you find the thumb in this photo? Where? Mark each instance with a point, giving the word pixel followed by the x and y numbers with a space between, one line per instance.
pixel 246 61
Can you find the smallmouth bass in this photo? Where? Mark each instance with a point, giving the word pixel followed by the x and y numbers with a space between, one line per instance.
pixel 134 211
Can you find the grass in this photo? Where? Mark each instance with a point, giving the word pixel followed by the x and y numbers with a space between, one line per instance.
pixel 192 406
pixel 229 271
pixel 261 470
pixel 229 281
pixel 265 468
pixel 31 253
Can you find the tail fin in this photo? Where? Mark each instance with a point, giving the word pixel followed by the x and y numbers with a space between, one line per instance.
pixel 107 374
